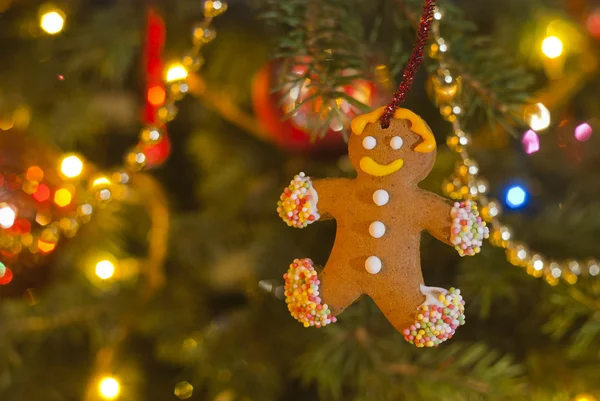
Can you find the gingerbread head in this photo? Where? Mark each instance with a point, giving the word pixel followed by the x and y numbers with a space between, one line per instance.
pixel 380 216
pixel 404 152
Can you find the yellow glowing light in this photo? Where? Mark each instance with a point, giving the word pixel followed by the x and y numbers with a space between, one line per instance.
pixel 71 166
pixel 101 181
pixel 552 47
pixel 63 197
pixel 584 397
pixel 105 269
pixel 176 72
pixel 45 247
pixel 537 116
pixel 109 388
pixel 52 22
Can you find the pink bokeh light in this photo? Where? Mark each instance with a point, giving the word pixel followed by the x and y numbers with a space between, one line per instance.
pixel 531 142
pixel 583 132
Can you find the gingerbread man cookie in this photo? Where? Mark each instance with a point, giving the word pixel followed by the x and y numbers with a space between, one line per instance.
pixel 380 215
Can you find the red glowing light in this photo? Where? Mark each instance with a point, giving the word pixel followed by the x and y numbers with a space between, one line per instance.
pixel 22 226
pixel 7 278
pixel 42 194
pixel 156 96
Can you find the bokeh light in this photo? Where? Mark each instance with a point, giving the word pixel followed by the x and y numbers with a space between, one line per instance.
pixel 516 197
pixel 63 197
pixel 583 132
pixel 531 142
pixel 34 173
pixel 176 72
pixel 71 166
pixel 109 388
pixel 537 116
pixel 7 276
pixel 45 246
pixel 552 47
pixel 7 215
pixel 156 96
pixel 105 269
pixel 52 22
pixel 42 193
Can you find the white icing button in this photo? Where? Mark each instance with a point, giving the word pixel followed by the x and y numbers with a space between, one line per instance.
pixel 369 142
pixel 377 229
pixel 373 264
pixel 396 142
pixel 381 197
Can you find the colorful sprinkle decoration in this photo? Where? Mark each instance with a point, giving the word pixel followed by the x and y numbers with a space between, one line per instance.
pixel 302 295
pixel 298 203
pixel 437 319
pixel 468 229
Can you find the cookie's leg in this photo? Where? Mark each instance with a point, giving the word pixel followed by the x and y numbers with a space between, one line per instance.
pixel 429 323
pixel 313 300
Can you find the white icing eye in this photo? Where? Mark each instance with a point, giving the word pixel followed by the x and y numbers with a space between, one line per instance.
pixel 369 142
pixel 396 142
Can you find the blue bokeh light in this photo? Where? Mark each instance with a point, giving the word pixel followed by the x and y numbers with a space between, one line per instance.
pixel 516 197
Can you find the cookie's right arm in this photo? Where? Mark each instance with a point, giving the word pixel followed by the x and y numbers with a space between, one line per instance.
pixel 303 202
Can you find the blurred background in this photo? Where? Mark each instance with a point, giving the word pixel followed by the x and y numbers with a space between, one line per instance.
pixel 143 148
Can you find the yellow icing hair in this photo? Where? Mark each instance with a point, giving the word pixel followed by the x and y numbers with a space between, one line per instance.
pixel 417 125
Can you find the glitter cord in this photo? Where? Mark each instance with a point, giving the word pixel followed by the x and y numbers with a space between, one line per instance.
pixel 412 66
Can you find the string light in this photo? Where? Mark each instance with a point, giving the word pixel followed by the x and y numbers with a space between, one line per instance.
pixel 184 390
pixel 531 142
pixel 105 269
pixel 176 72
pixel 68 220
pixel 71 166
pixel 109 388
pixel 7 276
pixel 583 132
pixel 516 196
pixel 52 22
pixel 7 216
pixel 63 197
pixel 552 47
pixel 42 193
pixel 537 116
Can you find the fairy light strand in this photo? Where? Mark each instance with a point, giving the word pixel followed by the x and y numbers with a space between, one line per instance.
pixel 466 182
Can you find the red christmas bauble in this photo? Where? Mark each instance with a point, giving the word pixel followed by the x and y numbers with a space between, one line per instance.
pixel 292 134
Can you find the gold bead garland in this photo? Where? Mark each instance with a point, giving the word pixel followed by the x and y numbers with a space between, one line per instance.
pixel 465 182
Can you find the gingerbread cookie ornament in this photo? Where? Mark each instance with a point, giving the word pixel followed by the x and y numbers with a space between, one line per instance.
pixel 380 215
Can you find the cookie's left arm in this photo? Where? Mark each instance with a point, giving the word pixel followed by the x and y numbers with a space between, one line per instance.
pixel 457 224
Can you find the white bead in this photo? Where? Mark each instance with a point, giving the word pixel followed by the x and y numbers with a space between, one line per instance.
pixel 369 142
pixel 381 197
pixel 396 142
pixel 373 264
pixel 377 229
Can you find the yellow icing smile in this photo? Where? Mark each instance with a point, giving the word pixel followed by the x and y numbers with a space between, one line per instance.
pixel 375 169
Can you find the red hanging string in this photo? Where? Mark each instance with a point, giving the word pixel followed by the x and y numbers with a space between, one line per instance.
pixel 412 66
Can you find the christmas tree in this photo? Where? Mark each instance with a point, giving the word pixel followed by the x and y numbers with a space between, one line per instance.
pixel 144 146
